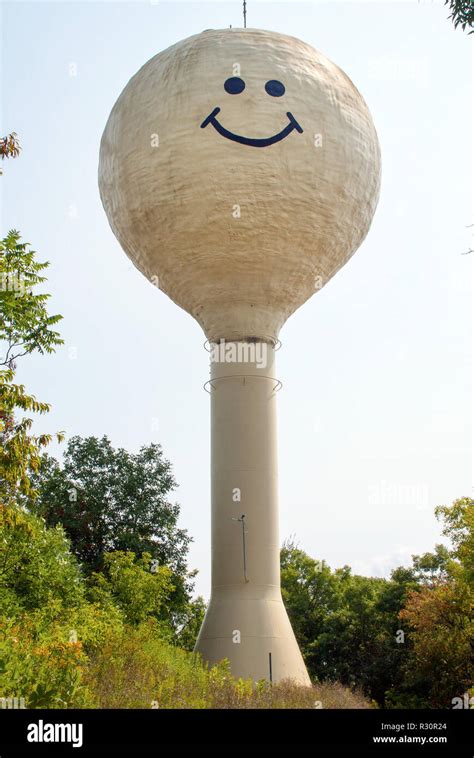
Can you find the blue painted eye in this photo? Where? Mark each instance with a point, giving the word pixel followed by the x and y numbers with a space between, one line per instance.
pixel 275 88
pixel 234 85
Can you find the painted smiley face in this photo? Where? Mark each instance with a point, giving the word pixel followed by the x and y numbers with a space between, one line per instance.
pixel 234 86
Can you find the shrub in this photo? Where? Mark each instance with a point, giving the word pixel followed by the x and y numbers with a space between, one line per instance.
pixel 47 674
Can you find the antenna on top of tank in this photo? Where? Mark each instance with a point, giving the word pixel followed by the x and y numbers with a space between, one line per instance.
pixel 245 14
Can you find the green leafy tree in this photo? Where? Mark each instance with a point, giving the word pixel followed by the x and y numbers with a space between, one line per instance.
pixel 25 327
pixel 359 641
pixel 144 593
pixel 108 499
pixel 431 568
pixel 440 666
pixel 139 592
pixel 407 640
pixel 36 566
pixel 458 526
pixel 190 623
pixel 347 626
pixel 440 619
pixel 462 13
pixel 47 625
pixel 311 593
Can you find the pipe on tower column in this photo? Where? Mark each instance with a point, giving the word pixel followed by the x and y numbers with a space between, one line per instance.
pixel 246 620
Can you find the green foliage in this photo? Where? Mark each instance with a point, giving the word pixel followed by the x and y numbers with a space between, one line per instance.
pixel 112 501
pixel 311 593
pixel 25 327
pixel 103 639
pixel 459 527
pixel 36 567
pixel 47 674
pixel 345 625
pixel 407 640
pixel 139 592
pixel 20 451
pixel 440 665
pixel 46 623
pixel 462 13
pixel 108 499
pixel 70 641
pixel 53 619
pixel 190 624
pixel 440 619
pixel 432 567
pixel 44 652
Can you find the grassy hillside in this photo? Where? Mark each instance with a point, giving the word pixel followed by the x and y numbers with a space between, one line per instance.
pixel 136 670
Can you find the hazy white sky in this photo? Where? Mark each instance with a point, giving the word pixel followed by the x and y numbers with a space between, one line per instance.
pixel 375 412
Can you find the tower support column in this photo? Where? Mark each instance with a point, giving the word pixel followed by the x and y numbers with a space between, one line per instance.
pixel 246 620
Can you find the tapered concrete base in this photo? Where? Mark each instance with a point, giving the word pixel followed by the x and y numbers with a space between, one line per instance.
pixel 246 621
pixel 255 634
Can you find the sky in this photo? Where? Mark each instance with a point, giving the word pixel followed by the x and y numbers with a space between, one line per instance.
pixel 375 414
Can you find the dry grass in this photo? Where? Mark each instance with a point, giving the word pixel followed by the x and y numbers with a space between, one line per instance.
pixel 286 694
pixel 136 670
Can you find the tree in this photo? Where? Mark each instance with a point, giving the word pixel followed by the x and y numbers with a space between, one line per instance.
pixel 407 640
pixel 47 624
pixel 140 594
pixel 431 568
pixel 9 146
pixel 361 642
pixel 440 666
pixel 442 629
pixel 438 617
pixel 109 499
pixel 36 566
pixel 346 625
pixel 25 327
pixel 311 594
pixel 459 528
pixel 462 13
pixel 191 623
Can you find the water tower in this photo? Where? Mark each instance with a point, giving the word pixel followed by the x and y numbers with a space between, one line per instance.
pixel 239 170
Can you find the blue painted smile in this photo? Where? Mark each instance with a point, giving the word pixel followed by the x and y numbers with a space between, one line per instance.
pixel 234 86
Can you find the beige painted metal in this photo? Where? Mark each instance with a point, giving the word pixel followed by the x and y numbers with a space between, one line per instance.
pixel 246 620
pixel 304 209
pixel 240 236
